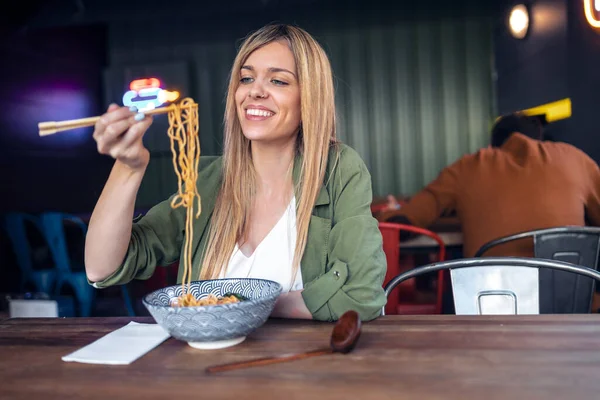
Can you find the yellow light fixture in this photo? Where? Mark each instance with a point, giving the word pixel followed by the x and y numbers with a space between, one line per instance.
pixel 592 14
pixel 552 112
pixel 518 21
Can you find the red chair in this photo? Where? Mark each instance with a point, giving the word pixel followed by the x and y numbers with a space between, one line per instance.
pixel 391 246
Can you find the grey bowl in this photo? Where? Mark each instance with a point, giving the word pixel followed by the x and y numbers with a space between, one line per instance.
pixel 212 327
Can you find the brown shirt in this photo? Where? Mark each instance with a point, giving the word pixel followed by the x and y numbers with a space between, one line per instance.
pixel 524 185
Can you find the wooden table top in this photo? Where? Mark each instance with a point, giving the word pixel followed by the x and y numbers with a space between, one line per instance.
pixel 448 228
pixel 398 357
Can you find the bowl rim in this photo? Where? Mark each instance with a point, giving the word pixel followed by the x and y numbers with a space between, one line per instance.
pixel 217 306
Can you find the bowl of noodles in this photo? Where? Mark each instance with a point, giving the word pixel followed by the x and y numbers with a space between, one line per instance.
pixel 213 314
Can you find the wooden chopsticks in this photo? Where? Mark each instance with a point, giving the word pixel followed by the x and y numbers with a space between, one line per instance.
pixel 52 127
pixel 267 361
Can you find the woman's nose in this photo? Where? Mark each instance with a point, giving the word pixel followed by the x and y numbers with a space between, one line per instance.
pixel 257 91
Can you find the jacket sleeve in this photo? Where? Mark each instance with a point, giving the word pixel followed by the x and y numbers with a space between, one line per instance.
pixel 156 240
pixel 356 263
pixel 437 198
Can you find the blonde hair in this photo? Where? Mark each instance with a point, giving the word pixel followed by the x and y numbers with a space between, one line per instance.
pixel 318 130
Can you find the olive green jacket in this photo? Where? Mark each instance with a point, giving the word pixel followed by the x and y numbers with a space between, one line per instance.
pixel 343 265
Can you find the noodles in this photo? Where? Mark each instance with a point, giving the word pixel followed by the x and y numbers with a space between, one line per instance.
pixel 185 147
pixel 188 300
pixel 183 132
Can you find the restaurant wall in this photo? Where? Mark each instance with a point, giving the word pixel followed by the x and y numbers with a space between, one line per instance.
pixel 533 70
pixel 557 59
pixel 584 81
pixel 414 87
pixel 47 75
pixel 413 80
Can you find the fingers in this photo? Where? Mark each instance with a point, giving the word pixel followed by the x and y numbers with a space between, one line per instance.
pixel 114 114
pixel 112 107
pixel 392 203
pixel 130 143
pixel 119 133
pixel 111 134
pixel 111 125
pixel 137 130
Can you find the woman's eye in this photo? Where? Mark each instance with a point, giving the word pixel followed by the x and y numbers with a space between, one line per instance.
pixel 246 79
pixel 278 82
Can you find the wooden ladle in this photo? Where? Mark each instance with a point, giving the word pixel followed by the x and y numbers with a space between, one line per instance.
pixel 344 336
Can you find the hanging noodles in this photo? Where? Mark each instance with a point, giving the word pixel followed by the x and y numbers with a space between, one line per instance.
pixel 185 147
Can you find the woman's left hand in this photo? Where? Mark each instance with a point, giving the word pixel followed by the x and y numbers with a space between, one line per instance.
pixel 291 305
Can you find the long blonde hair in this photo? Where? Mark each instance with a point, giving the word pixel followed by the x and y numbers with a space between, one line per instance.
pixel 318 130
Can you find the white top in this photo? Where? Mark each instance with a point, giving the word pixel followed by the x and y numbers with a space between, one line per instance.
pixel 273 257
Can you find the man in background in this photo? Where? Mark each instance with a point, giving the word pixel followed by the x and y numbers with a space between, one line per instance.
pixel 519 183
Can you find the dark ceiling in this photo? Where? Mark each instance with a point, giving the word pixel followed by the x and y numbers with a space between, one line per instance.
pixel 32 14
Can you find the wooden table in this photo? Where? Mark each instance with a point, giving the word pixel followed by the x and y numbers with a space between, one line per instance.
pixel 451 239
pixel 398 357
pixel 448 228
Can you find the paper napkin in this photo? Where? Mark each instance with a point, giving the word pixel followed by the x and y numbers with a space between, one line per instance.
pixel 122 346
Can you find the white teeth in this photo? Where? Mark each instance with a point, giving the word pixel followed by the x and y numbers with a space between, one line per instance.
pixel 260 113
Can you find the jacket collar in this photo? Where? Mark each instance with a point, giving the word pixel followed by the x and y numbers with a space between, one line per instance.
pixel 322 197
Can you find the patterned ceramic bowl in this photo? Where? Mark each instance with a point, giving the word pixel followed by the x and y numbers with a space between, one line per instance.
pixel 216 326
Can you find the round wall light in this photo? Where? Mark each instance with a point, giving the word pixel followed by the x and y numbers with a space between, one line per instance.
pixel 518 22
pixel 592 12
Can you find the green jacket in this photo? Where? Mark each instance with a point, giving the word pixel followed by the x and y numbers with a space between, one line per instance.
pixel 343 265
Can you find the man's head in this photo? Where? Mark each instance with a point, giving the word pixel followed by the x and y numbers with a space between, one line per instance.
pixel 515 123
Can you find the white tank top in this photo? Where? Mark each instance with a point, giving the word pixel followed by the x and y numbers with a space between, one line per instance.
pixel 272 259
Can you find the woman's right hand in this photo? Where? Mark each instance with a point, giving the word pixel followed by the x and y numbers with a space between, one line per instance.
pixel 119 134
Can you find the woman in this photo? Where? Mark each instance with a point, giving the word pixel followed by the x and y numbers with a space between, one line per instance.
pixel 286 202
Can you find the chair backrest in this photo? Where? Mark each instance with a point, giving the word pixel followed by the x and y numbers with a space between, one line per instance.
pixel 15 225
pixel 390 233
pixel 497 293
pixel 53 226
pixel 495 290
pixel 561 292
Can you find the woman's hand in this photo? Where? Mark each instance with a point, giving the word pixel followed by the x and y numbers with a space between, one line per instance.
pixel 119 134
pixel 291 305
pixel 392 203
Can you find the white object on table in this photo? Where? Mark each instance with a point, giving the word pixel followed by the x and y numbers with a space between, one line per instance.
pixel 122 346
pixel 33 308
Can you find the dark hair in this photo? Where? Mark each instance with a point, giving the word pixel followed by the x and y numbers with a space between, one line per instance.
pixel 509 124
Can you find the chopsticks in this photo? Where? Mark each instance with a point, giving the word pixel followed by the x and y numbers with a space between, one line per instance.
pixel 52 127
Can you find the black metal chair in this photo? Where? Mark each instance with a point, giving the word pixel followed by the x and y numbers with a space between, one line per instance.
pixel 561 292
pixel 495 284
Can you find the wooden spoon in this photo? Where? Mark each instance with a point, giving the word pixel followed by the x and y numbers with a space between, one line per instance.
pixel 344 336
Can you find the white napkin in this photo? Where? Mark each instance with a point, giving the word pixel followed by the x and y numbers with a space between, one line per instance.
pixel 122 346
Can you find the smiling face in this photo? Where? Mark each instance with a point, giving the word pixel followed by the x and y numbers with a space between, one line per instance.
pixel 268 96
